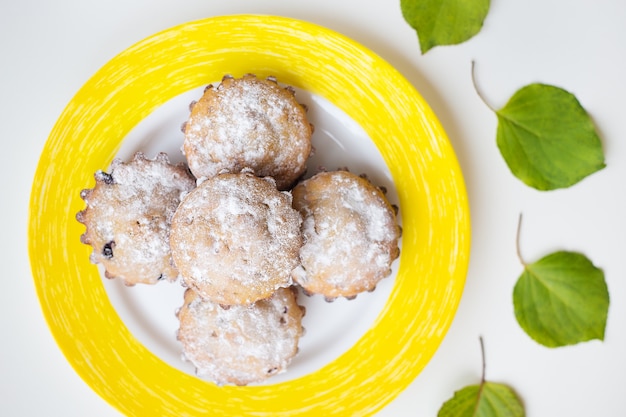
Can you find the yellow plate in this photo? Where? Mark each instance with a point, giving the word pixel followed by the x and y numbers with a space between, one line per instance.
pixel 430 187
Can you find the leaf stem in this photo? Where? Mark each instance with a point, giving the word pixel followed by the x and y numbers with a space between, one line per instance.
pixel 482 352
pixel 482 98
pixel 517 241
pixel 483 378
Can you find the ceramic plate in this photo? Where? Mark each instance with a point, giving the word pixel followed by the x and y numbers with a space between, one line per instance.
pixel 357 355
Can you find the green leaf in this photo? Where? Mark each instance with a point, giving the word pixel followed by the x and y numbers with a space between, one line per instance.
pixel 547 138
pixel 562 299
pixel 486 400
pixel 444 22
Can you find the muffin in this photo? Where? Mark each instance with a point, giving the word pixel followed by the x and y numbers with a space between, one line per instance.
pixel 240 344
pixel 128 216
pixel 235 238
pixel 350 235
pixel 248 122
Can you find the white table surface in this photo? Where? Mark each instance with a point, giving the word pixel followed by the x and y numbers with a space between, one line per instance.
pixel 50 48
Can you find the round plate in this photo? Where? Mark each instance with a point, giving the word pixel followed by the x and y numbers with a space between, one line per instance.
pixel 424 169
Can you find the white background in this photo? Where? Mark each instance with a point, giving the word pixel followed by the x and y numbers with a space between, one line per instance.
pixel 50 48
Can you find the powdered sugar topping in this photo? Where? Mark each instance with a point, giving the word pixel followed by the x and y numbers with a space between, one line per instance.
pixel 350 233
pixel 235 238
pixel 240 344
pixel 128 217
pixel 248 123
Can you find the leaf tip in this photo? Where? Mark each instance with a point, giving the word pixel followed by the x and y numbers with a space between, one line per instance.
pixel 425 46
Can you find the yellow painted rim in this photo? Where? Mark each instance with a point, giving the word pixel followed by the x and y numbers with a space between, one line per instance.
pixel 429 182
